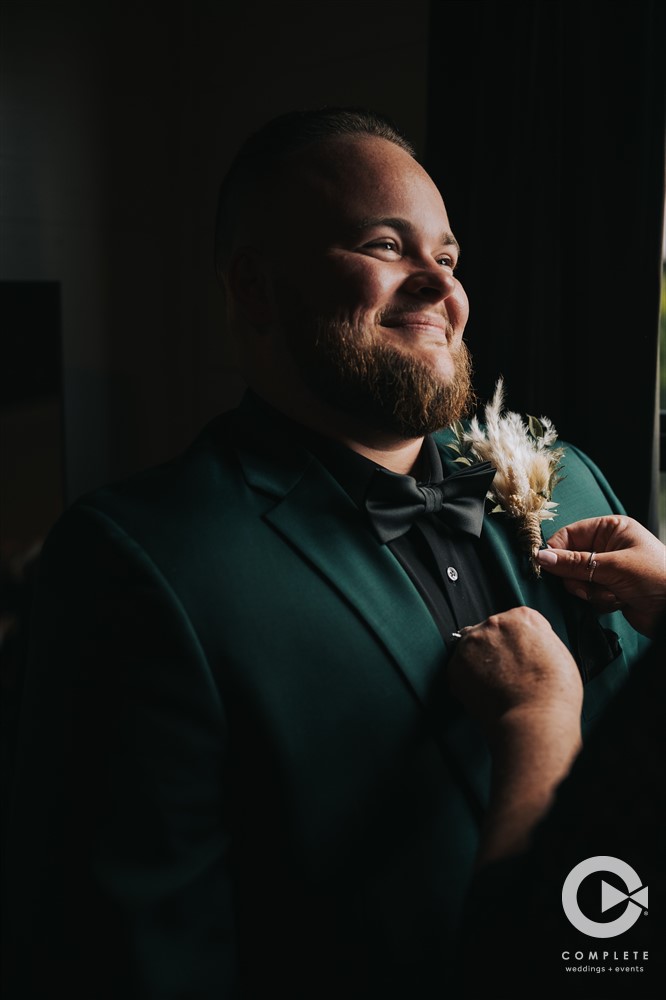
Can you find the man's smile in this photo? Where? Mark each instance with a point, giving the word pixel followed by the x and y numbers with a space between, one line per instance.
pixel 421 323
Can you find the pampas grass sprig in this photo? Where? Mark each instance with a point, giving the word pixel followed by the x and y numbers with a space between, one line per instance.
pixel 527 466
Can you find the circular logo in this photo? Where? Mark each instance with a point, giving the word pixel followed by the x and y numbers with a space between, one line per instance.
pixel 636 897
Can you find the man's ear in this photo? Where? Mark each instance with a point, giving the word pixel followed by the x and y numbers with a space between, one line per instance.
pixel 249 283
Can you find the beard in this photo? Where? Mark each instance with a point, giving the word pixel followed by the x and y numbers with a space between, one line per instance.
pixel 377 382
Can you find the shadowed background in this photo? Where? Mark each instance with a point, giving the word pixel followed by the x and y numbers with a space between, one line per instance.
pixel 543 123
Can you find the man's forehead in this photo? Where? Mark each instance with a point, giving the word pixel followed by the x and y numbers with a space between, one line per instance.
pixel 358 179
pixel 333 158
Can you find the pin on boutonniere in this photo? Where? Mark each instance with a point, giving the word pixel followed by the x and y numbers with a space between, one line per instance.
pixel 527 466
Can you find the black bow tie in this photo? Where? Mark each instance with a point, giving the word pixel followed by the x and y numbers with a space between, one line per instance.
pixel 394 501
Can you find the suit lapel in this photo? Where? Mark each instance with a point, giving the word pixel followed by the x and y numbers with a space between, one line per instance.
pixel 309 509
pixel 521 587
pixel 322 522
pixel 327 528
pixel 314 514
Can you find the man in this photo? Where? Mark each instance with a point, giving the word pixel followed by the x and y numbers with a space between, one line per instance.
pixel 238 734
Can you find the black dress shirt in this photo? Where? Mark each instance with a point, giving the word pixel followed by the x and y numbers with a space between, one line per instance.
pixel 445 566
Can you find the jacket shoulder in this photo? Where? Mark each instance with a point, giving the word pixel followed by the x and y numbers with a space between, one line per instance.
pixel 169 506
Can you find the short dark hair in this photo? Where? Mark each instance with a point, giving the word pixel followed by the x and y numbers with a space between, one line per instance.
pixel 261 153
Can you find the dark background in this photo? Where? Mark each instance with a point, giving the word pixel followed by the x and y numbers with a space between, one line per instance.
pixel 543 123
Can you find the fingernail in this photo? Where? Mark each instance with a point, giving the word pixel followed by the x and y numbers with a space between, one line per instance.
pixel 546 557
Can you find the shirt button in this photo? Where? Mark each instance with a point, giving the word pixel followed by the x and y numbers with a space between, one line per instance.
pixel 452 573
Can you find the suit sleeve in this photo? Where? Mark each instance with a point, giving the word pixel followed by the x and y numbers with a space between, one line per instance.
pixel 119 842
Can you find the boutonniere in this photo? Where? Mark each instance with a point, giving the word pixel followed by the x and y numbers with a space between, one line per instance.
pixel 527 466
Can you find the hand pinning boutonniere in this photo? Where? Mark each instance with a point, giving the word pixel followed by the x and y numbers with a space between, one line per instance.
pixel 527 466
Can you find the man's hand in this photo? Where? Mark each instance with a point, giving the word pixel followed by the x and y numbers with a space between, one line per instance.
pixel 615 563
pixel 522 685
pixel 514 662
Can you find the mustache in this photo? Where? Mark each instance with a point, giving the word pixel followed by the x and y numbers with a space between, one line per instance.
pixel 410 310
pixel 387 317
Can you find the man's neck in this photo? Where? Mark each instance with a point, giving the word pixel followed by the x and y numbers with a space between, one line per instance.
pixel 401 456
pixel 382 447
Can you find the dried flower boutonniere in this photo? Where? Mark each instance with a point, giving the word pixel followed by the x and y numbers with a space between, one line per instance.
pixel 527 466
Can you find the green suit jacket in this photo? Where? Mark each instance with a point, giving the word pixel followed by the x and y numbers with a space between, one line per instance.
pixel 240 769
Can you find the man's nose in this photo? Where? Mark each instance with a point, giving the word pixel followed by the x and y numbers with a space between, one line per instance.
pixel 433 283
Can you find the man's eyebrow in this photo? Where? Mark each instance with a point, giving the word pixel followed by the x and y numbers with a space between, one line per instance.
pixel 447 239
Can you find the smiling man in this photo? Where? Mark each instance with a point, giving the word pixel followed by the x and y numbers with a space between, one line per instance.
pixel 344 273
pixel 238 734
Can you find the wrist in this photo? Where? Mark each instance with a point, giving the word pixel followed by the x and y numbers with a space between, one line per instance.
pixel 547 729
pixel 532 749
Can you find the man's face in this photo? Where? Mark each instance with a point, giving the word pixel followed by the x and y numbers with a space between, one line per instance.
pixel 368 305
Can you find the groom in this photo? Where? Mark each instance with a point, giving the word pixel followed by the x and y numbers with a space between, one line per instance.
pixel 241 771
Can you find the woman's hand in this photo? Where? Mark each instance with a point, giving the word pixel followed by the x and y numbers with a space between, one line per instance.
pixel 613 562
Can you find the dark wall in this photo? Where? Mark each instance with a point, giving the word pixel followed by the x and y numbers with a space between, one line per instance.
pixel 119 119
pixel 119 122
pixel 548 142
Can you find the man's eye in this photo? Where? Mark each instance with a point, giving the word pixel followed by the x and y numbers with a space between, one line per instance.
pixel 447 262
pixel 383 245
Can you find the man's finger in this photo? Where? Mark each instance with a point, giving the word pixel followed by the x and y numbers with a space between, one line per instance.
pixel 466 629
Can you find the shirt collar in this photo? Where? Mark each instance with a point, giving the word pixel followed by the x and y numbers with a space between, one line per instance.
pixel 352 471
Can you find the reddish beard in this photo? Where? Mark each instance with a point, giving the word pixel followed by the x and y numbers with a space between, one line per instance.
pixel 352 371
